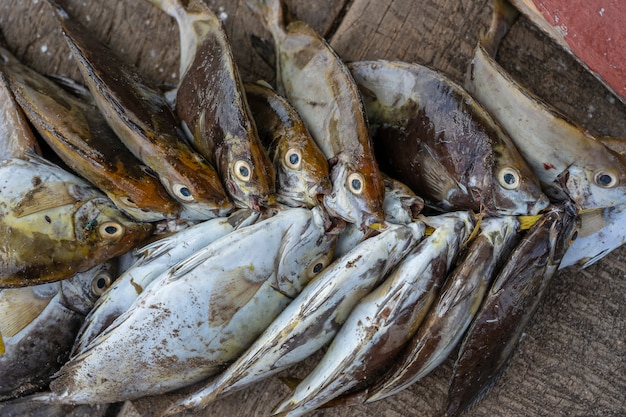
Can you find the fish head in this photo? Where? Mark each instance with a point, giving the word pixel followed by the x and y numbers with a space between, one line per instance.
pixel 513 187
pixel 307 248
pixel 358 193
pixel 148 204
pixel 400 205
pixel 247 173
pixel 194 183
pixel 103 231
pixel 302 171
pixel 81 291
pixel 599 183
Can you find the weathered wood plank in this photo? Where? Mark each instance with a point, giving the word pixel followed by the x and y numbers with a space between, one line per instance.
pixel 572 360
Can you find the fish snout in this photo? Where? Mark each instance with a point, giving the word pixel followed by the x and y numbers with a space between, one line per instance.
pixel 320 189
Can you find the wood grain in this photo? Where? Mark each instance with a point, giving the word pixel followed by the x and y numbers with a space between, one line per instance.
pixel 572 359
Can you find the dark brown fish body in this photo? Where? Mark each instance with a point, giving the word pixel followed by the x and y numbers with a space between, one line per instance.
pixel 80 136
pixel 212 105
pixel 509 305
pixel 319 86
pixel 144 122
pixel 302 177
pixel 431 135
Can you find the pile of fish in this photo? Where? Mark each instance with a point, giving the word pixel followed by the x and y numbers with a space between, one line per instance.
pixel 221 232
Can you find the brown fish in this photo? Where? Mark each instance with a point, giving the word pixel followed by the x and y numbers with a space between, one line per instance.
pixel 302 177
pixel 430 134
pixel 319 86
pixel 17 138
pixel 211 102
pixel 143 121
pixel 509 305
pixel 80 136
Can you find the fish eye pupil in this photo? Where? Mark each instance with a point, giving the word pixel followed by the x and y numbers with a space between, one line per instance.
pixel 318 267
pixel 244 171
pixel 294 158
pixel 509 178
pixel 605 180
pixel 101 283
pixel 356 184
pixel 574 236
pixel 110 230
pixel 184 191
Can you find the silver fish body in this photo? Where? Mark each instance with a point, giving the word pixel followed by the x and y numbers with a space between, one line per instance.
pixel 508 306
pixel 38 325
pixel 382 322
pixel 453 310
pixel 315 315
pixel 569 161
pixel 200 314
pixel 153 260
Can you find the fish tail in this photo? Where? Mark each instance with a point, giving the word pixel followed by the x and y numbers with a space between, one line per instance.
pixel 271 12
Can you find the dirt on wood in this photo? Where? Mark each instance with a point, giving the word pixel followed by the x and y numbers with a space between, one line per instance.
pixel 572 358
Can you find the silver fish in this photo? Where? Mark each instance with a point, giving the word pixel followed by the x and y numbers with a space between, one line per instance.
pixel 431 134
pixel 382 322
pixel 302 177
pixel 319 86
pixel 315 315
pixel 38 325
pixel 569 161
pixel 211 103
pixel 153 260
pixel 508 306
pixel 200 314
pixel 453 310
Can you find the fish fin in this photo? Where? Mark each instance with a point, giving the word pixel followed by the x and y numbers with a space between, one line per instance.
pixel 187 265
pixel 18 308
pixel 591 221
pixel 526 222
pixel 46 196
pixel 264 48
pixel 290 382
pixel 239 289
pixel 350 399
pixel 436 177
pixel 154 249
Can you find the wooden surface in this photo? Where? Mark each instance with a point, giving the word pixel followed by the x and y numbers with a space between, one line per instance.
pixel 572 359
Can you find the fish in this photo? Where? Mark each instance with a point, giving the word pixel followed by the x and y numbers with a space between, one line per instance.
pixel 302 173
pixel 201 313
pixel 211 102
pixel 451 313
pixel 572 164
pixel 313 318
pixel 383 321
pixel 54 224
pixel 508 306
pixel 144 122
pixel 80 136
pixel 318 84
pixel 38 325
pixel 429 133
pixel 152 260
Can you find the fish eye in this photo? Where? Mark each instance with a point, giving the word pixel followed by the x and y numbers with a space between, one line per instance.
pixel 356 183
pixel 317 266
pixel 243 170
pixel 509 178
pixel 111 230
pixel 605 179
pixel 574 236
pixel 183 193
pixel 100 283
pixel 293 158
